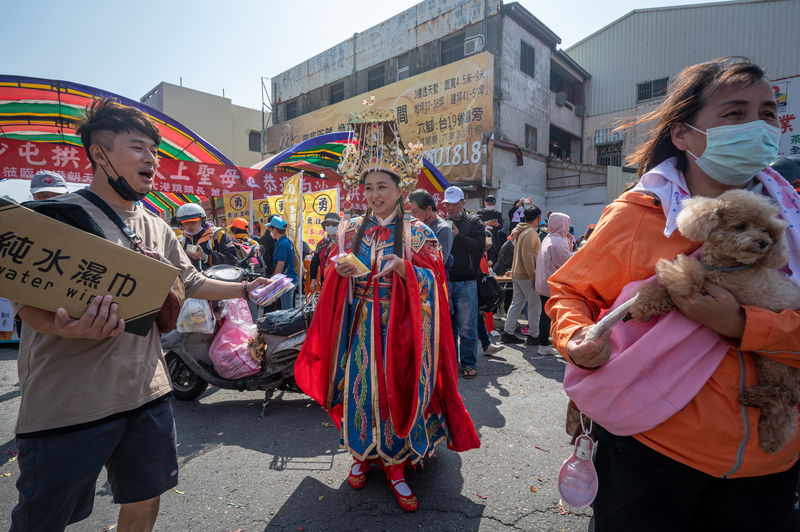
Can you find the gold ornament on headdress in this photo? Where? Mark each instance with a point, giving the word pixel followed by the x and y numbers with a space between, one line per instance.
pixel 376 146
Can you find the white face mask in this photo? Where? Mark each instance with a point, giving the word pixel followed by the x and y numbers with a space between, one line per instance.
pixel 735 154
pixel 199 228
pixel 489 207
pixel 331 229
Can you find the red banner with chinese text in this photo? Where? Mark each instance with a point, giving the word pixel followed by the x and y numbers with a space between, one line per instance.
pixel 20 159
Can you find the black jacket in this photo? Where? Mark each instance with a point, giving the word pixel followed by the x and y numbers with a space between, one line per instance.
pixel 506 258
pixel 268 245
pixel 467 248
pixel 487 216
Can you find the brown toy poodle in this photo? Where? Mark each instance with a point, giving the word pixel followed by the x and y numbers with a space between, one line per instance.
pixel 743 250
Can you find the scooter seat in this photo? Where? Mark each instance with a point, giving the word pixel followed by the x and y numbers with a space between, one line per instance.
pixel 283 322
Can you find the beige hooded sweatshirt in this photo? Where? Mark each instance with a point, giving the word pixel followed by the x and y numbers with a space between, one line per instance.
pixel 525 252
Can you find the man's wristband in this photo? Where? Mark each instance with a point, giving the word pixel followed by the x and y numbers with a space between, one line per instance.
pixel 246 290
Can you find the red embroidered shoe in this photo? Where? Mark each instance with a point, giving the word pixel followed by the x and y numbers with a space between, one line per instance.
pixel 407 503
pixel 358 481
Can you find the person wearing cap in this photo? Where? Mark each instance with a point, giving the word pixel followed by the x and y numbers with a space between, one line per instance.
pixel 268 246
pixel 491 217
pixel 204 243
pixel 46 185
pixel 542 228
pixel 469 241
pixel 283 257
pixel 240 229
pixel 330 224
pixel 493 221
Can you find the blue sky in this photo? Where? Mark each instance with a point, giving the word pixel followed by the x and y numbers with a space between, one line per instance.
pixel 129 47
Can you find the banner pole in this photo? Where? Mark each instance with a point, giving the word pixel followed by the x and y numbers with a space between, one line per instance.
pixel 299 239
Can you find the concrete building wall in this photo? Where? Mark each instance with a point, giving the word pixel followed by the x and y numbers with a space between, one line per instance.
pixel 523 99
pixel 514 182
pixel 565 118
pixel 245 121
pixel 583 206
pixel 416 27
pixel 206 114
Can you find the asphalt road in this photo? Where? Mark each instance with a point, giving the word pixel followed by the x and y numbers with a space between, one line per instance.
pixel 286 472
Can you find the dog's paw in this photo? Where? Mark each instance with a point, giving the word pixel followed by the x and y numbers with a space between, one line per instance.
pixel 683 276
pixel 755 397
pixel 769 444
pixel 653 301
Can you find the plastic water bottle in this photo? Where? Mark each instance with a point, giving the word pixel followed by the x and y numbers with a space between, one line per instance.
pixel 577 479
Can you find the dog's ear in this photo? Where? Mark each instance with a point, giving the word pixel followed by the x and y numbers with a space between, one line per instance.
pixel 778 255
pixel 699 217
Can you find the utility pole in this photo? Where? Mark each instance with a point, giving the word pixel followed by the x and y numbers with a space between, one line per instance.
pixel 265 105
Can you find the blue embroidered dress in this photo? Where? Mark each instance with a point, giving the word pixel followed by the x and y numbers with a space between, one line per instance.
pixel 367 429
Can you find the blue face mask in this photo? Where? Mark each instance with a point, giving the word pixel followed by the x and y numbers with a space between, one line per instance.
pixel 735 154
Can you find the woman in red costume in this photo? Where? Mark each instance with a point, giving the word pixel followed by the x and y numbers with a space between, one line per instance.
pixel 379 355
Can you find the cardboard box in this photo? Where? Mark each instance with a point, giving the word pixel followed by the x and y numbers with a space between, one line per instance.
pixel 48 264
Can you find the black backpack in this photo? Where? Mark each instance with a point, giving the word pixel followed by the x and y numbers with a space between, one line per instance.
pixel 490 294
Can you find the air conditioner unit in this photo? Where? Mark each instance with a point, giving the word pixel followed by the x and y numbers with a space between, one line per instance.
pixel 561 98
pixel 473 45
pixel 580 110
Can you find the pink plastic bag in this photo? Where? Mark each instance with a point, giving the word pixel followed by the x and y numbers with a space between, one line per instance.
pixel 229 351
pixel 655 369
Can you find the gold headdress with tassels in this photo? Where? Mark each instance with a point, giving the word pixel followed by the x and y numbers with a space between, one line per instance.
pixel 375 145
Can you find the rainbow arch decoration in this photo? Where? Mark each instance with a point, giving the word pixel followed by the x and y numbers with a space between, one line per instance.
pixel 321 155
pixel 45 110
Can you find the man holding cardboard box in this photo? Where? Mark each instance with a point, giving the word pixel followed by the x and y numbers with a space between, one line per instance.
pixel 92 394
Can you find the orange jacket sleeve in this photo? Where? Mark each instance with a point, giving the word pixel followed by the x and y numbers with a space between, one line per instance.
pixel 774 334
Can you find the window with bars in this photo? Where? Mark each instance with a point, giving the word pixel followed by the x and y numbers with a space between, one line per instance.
pixel 451 50
pixel 254 140
pixel 376 78
pixel 337 92
pixel 403 63
pixel 609 155
pixel 291 110
pixel 526 59
pixel 651 89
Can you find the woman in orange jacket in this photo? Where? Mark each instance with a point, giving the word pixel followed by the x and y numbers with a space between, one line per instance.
pixel 701 468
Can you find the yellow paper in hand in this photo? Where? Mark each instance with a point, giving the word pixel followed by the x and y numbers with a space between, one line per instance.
pixel 352 260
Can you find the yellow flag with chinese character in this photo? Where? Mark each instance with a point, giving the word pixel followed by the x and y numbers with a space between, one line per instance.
pixel 315 206
pixel 262 209
pixel 292 213
pixel 238 205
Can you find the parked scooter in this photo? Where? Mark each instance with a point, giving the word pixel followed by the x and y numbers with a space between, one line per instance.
pixel 191 370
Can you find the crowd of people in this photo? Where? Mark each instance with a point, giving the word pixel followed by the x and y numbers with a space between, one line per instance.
pixel 398 321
